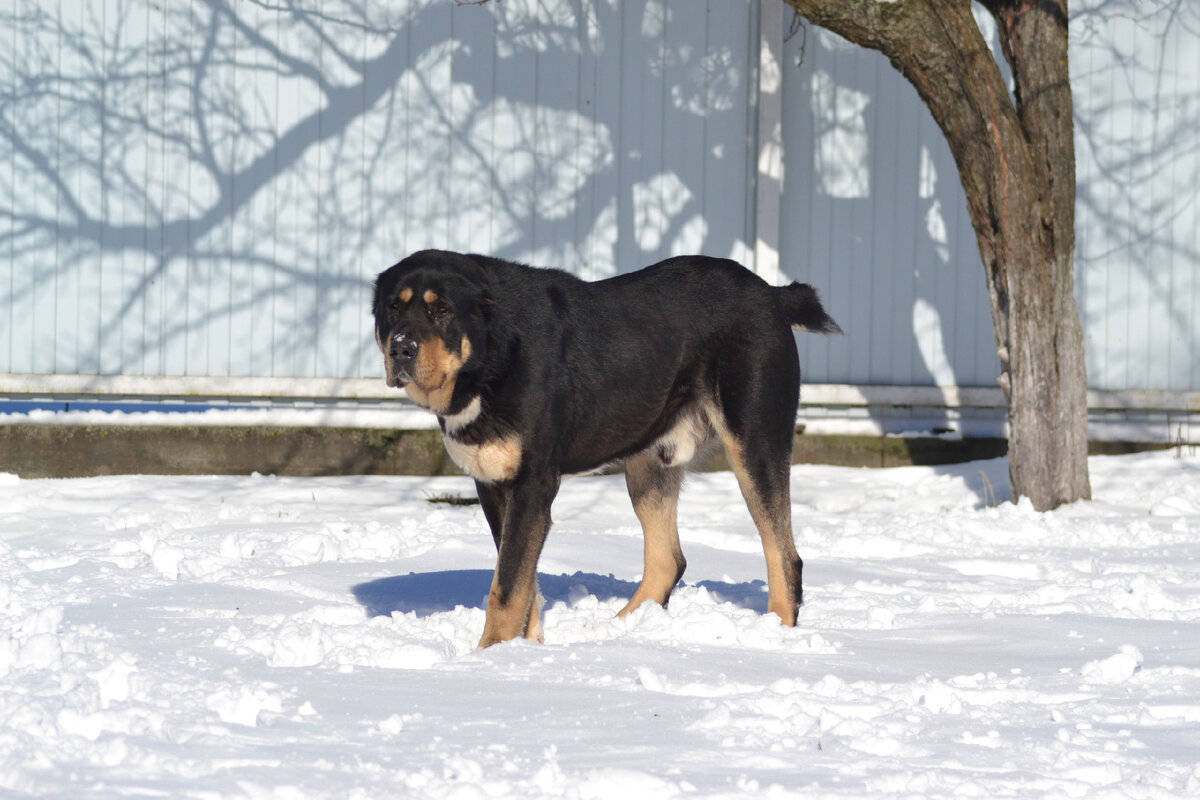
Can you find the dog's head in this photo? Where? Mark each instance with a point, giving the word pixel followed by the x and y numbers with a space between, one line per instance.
pixel 430 325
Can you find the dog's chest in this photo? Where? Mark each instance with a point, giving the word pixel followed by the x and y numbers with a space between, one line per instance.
pixel 495 458
pixel 490 461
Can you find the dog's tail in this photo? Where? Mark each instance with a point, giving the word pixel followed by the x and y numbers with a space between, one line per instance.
pixel 804 310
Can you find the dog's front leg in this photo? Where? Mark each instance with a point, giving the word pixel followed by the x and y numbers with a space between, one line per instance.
pixel 494 497
pixel 514 585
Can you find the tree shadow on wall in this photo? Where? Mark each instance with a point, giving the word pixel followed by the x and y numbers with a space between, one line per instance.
pixel 1135 74
pixel 880 223
pixel 875 147
pixel 209 188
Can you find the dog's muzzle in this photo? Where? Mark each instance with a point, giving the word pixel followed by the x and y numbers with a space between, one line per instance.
pixel 402 356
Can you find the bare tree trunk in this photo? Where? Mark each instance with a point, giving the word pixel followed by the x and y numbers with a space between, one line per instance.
pixel 1016 161
pixel 1048 376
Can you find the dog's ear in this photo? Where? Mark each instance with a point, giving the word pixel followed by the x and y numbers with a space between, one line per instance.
pixel 377 298
pixel 378 289
pixel 483 279
pixel 488 308
pixel 482 272
pixel 377 292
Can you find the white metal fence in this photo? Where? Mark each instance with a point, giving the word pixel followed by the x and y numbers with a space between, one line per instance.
pixel 194 192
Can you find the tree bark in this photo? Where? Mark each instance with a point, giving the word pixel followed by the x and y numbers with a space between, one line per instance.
pixel 1016 160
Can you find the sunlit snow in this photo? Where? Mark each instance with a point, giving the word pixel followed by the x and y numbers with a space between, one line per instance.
pixel 261 637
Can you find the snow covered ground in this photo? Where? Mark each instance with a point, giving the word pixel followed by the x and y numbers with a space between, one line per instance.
pixel 222 637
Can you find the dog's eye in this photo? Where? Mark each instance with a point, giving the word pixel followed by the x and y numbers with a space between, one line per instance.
pixel 439 311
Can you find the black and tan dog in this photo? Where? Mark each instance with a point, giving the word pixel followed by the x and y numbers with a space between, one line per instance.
pixel 535 374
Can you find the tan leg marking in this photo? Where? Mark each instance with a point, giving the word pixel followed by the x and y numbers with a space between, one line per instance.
pixel 519 617
pixel 533 630
pixel 774 523
pixel 655 494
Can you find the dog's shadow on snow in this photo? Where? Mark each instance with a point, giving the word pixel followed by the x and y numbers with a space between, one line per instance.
pixel 426 593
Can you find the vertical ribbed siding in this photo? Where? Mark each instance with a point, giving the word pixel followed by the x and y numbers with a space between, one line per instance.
pixel 883 233
pixel 205 189
pixel 8 223
pixel 1136 80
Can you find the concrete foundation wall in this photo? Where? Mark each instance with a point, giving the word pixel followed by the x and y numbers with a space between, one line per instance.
pixel 51 451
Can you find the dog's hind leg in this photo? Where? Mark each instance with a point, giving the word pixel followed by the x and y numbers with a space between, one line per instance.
pixel 757 392
pixel 654 489
pixel 764 481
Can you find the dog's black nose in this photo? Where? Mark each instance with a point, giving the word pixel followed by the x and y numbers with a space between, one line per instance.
pixel 404 347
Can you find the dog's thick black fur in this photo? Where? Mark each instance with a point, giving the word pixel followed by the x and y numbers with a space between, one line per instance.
pixel 535 374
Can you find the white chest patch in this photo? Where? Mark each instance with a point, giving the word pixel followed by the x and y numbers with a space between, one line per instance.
pixel 492 461
pixel 470 413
